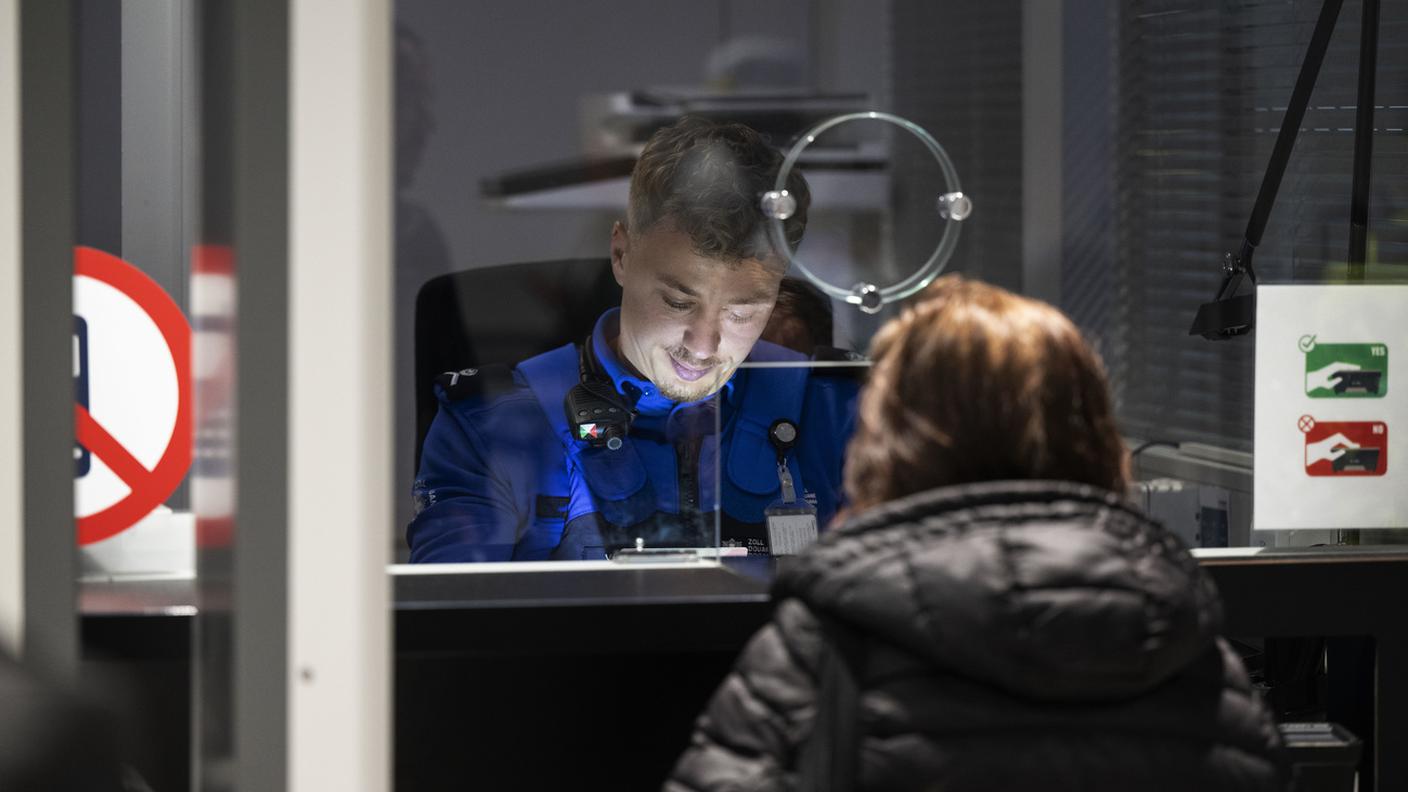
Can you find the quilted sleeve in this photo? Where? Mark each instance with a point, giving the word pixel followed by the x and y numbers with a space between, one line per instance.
pixel 750 732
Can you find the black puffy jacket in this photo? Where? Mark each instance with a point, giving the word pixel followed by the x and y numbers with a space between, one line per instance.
pixel 1011 636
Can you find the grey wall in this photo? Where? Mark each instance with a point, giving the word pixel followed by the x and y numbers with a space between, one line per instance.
pixel 507 79
pixel 136 147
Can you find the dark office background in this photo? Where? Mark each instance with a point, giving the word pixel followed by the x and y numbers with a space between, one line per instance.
pixel 1168 113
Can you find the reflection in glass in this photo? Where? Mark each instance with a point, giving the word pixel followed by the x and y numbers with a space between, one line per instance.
pixel 614 437
pixel 421 252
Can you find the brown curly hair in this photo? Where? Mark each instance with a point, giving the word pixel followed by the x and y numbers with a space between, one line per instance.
pixel 974 383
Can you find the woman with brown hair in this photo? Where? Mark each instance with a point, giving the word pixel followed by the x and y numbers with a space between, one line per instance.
pixel 992 613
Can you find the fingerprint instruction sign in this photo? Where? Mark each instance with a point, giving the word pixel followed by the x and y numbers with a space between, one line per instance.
pixel 1329 427
pixel 1345 371
pixel 1344 448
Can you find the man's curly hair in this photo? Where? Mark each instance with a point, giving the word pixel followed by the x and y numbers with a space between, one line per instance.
pixel 707 178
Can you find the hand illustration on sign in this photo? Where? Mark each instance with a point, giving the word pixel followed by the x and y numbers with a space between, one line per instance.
pixel 1344 370
pixel 1329 449
pixel 1327 377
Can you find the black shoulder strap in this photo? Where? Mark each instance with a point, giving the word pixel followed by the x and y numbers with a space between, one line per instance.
pixel 830 759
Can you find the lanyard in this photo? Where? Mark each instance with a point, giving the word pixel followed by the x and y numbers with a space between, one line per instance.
pixel 783 436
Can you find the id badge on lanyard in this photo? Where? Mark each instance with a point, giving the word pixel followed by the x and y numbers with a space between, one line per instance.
pixel 791 520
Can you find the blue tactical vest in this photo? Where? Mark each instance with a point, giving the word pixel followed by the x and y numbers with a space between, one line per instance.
pixel 555 497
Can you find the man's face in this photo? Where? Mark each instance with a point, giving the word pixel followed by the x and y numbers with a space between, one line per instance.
pixel 687 320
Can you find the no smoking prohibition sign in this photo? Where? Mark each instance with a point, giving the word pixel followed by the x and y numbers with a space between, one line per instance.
pixel 136 422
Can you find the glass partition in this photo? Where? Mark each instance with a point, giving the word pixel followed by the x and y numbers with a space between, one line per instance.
pixel 782 476
pixel 1170 142
pixel 568 456
pixel 138 221
pixel 518 227
pixel 582 376
pixel 150 337
pixel 510 189
pixel 1118 209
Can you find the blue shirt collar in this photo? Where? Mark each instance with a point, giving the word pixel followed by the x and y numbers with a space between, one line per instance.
pixel 639 391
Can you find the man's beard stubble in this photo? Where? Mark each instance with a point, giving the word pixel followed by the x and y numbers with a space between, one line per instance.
pixel 719 371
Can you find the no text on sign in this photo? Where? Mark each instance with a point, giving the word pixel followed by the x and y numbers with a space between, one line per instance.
pixel 137 420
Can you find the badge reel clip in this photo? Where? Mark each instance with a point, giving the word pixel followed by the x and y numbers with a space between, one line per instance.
pixel 791 520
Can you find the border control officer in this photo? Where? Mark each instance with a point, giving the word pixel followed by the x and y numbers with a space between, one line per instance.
pixel 615 442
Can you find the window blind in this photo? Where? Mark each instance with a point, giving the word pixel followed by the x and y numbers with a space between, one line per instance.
pixel 1198 90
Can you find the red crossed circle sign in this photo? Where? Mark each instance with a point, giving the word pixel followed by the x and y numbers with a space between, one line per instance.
pixel 147 488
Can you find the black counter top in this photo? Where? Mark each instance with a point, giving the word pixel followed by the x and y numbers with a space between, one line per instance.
pixel 589 584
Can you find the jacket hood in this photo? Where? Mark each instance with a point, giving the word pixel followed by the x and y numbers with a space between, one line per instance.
pixel 1048 590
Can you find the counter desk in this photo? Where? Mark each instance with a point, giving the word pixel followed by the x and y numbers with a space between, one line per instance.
pixel 537 676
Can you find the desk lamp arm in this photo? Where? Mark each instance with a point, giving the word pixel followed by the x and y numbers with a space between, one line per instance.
pixel 1227 315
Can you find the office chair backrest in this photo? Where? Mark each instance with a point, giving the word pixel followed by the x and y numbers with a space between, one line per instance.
pixel 503 314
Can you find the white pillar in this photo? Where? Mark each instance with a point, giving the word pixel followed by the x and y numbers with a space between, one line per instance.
pixel 11 339
pixel 339 395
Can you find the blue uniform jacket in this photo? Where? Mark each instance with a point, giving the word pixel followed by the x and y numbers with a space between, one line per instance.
pixel 501 477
